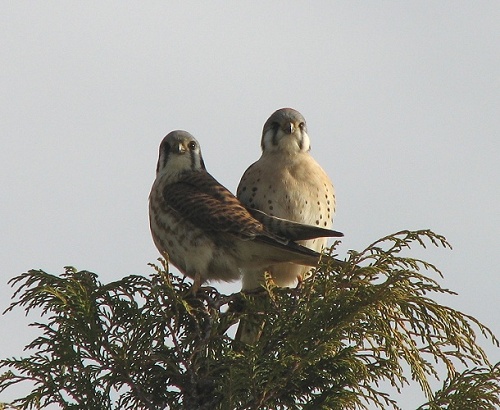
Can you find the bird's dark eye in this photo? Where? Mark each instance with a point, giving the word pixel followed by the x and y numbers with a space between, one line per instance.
pixel 192 145
pixel 302 125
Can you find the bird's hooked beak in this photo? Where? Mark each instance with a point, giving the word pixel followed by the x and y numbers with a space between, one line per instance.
pixel 178 148
pixel 288 127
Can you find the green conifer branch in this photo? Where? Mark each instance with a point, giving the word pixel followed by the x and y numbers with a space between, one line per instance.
pixel 148 343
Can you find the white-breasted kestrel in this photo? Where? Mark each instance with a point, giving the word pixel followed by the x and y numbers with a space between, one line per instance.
pixel 287 182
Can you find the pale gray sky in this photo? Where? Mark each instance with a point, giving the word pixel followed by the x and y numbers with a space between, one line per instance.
pixel 401 99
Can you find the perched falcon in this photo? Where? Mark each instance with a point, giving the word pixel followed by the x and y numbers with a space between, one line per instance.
pixel 205 231
pixel 288 183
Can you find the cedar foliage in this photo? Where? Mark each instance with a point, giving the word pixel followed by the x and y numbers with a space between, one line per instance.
pixel 147 343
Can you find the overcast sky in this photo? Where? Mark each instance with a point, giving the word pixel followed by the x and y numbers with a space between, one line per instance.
pixel 401 99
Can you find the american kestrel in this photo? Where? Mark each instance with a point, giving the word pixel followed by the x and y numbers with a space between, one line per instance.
pixel 205 231
pixel 288 183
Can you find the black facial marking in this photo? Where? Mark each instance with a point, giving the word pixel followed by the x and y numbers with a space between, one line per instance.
pixel 202 163
pixel 195 156
pixel 165 149
pixel 193 160
pixel 275 127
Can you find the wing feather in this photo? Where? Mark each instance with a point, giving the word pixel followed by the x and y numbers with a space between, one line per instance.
pixel 199 198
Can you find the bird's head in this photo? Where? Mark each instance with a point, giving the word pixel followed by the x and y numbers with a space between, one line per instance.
pixel 179 153
pixel 285 131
